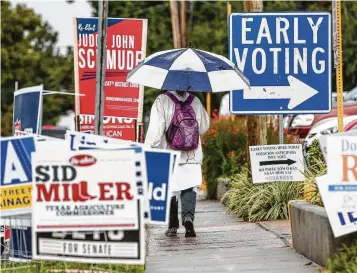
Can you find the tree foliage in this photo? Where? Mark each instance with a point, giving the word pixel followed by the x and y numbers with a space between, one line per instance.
pixel 29 57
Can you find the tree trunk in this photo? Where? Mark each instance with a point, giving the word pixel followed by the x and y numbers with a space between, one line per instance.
pixel 175 24
pixel 183 23
pixel 256 125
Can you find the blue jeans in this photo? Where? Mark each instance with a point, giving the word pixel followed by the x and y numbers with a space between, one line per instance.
pixel 188 207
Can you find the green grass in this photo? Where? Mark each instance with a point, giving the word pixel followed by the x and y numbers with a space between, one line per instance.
pixel 62 267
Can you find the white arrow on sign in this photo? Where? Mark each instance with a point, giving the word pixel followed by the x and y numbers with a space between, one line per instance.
pixel 296 91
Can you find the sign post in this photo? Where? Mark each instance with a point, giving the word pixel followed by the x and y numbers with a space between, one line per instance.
pixel 287 57
pixel 337 47
pixel 281 129
pixel 100 75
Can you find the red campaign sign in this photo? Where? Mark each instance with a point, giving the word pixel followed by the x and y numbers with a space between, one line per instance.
pixel 115 127
pixel 126 47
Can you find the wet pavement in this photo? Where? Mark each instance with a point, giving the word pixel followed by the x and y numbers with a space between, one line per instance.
pixel 225 244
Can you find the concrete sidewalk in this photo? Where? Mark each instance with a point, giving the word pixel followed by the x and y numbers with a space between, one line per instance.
pixel 225 244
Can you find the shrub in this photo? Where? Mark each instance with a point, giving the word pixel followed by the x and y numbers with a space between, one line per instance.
pixel 345 261
pixel 224 147
pixel 259 202
pixel 317 167
pixel 315 156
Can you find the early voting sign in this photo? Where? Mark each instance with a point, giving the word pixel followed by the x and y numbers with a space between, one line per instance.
pixel 16 175
pixel 272 163
pixel 28 110
pixel 286 57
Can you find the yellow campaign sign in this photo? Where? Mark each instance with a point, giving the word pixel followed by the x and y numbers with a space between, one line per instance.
pixel 16 175
pixel 16 197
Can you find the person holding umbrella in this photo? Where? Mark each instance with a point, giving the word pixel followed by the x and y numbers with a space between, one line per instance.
pixel 176 122
pixel 178 118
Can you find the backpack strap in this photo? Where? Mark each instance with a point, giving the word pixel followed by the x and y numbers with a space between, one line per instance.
pixel 188 101
pixel 172 97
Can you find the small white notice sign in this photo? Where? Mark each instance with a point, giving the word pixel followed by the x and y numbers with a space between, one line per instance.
pixel 271 163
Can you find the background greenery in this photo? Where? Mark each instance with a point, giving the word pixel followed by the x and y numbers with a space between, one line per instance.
pixel 260 202
pixel 345 261
pixel 224 148
pixel 29 54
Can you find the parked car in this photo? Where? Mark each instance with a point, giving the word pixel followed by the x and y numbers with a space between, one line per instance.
pixel 351 95
pixel 327 127
pixel 351 126
pixel 301 124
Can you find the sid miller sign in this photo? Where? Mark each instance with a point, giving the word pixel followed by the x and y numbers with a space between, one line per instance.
pixel 95 190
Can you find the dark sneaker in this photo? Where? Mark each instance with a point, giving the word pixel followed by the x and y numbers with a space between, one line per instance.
pixel 171 232
pixel 190 230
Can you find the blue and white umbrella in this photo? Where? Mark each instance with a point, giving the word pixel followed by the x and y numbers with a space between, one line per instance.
pixel 188 69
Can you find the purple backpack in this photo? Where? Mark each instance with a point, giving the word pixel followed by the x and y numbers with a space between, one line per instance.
pixel 182 133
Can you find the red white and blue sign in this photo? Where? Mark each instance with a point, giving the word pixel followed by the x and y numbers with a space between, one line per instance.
pixel 28 110
pixel 286 57
pixel 126 47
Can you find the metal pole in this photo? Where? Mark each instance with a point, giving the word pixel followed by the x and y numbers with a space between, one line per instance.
pixel 13 113
pixel 337 45
pixel 101 66
pixel 281 129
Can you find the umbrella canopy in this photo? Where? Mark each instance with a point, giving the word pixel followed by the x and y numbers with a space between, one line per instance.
pixel 188 69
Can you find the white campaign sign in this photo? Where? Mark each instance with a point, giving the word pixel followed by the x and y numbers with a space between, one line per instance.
pixel 323 140
pixel 271 163
pixel 340 201
pixel 84 190
pixel 342 158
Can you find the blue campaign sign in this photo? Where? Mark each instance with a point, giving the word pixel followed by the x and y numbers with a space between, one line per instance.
pixel 286 57
pixel 28 110
pixel 158 171
pixel 16 175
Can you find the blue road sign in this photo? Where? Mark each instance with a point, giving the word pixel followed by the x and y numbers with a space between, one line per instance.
pixel 286 57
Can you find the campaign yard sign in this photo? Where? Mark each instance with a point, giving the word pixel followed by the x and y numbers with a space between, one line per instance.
pixel 81 139
pixel 114 127
pixel 126 47
pixel 338 188
pixel 287 58
pixel 160 166
pixel 21 239
pixel 109 246
pixel 140 170
pixel 16 175
pixel 28 110
pixel 342 158
pixel 340 202
pixel 85 190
